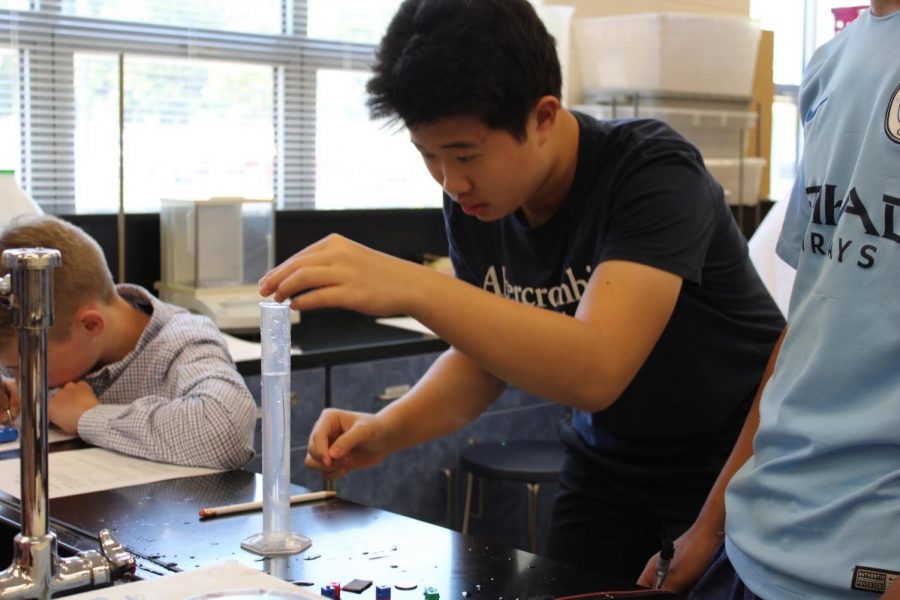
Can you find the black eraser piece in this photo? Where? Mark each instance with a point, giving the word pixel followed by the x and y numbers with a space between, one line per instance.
pixel 357 586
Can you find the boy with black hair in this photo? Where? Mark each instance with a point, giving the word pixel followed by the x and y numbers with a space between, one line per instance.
pixel 130 373
pixel 597 265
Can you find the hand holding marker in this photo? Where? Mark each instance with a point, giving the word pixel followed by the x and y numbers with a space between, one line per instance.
pixel 662 565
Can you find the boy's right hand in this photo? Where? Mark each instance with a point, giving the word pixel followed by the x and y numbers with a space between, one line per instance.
pixel 694 552
pixel 65 408
pixel 343 440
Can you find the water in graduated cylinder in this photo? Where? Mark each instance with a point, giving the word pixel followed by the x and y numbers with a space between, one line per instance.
pixel 276 452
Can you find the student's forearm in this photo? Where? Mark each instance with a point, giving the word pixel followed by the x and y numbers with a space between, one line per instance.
pixel 553 355
pixel 585 362
pixel 210 425
pixel 452 393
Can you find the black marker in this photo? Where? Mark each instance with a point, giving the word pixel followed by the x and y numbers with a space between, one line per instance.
pixel 662 564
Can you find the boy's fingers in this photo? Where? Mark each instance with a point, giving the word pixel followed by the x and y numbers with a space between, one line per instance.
pixel 328 428
pixel 318 449
pixel 359 433
pixel 330 471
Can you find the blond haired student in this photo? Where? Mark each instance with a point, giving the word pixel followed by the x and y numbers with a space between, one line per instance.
pixel 126 371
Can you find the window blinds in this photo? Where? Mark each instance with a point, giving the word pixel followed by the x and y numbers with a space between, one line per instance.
pixel 46 73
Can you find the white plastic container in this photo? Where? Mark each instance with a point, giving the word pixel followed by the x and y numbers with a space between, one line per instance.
pixel 727 172
pixel 716 133
pixel 668 52
pixel 213 252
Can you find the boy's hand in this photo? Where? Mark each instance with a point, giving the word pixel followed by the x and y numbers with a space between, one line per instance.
pixel 69 403
pixel 342 440
pixel 9 399
pixel 694 551
pixel 339 273
pixel 893 592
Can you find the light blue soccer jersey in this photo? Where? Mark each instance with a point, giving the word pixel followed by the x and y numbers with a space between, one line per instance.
pixel 815 513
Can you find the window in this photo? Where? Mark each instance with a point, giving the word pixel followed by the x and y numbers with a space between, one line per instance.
pixel 193 129
pixel 800 28
pixel 224 15
pixel 9 109
pixel 96 84
pixel 827 18
pixel 360 162
pixel 786 20
pixel 219 98
pixel 360 21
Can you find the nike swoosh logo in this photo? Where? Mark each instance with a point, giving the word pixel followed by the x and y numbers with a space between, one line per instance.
pixel 811 113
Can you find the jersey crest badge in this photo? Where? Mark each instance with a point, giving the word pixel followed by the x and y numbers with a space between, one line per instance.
pixel 892 118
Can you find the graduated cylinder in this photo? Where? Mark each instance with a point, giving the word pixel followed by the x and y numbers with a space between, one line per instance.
pixel 275 335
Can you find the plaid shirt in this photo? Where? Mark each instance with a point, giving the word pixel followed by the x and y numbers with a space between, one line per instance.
pixel 176 397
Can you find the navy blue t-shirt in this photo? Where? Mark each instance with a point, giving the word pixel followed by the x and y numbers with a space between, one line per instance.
pixel 642 194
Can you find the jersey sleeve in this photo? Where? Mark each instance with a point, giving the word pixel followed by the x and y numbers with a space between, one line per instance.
pixel 796 219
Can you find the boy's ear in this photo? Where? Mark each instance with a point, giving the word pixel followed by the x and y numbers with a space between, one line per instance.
pixel 545 112
pixel 91 320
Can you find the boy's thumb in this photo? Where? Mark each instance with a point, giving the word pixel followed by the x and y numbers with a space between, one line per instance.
pixel 349 440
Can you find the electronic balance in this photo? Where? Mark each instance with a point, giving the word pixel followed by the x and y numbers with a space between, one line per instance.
pixel 213 253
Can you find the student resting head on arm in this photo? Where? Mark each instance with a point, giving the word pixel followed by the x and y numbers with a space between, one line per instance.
pixel 128 372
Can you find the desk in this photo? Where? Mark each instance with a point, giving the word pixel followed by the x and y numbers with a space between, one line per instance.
pixel 158 522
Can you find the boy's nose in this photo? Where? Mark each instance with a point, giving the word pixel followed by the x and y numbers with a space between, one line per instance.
pixel 455 183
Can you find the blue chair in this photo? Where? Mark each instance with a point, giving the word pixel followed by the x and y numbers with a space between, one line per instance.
pixel 530 461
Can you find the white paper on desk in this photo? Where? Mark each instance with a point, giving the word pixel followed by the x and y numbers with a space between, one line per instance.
pixel 242 350
pixel 53 435
pixel 218 578
pixel 93 470
pixel 405 323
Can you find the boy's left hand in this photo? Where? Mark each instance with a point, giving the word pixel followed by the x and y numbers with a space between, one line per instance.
pixel 69 403
pixel 10 400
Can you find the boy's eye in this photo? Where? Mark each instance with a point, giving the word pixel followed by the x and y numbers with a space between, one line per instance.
pixel 466 159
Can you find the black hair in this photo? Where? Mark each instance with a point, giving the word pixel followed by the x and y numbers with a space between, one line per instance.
pixel 488 59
